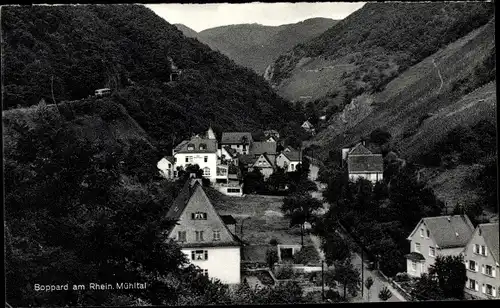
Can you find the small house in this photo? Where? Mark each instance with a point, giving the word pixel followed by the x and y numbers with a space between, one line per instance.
pixel 362 163
pixel 240 141
pixel 289 160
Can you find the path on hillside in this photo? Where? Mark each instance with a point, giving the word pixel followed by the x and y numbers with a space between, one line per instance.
pixel 439 73
pixel 379 282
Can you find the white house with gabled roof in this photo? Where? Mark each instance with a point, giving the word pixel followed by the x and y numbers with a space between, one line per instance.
pixel 433 236
pixel 203 236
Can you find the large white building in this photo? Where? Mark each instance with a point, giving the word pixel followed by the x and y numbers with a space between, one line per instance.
pixel 206 240
pixel 434 236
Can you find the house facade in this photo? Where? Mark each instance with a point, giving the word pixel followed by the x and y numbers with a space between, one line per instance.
pixel 239 141
pixel 362 163
pixel 481 257
pixel 308 127
pixel 264 164
pixel 166 165
pixel 433 236
pixel 203 236
pixel 288 160
pixel 198 151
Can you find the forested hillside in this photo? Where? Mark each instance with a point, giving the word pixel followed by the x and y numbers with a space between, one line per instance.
pixel 372 46
pixel 256 46
pixel 82 200
pixel 439 114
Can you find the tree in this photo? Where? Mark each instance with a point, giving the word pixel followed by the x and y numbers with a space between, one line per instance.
pixel 253 181
pixel 347 276
pixel 380 136
pixel 451 274
pixel 427 288
pixel 271 257
pixel 368 285
pixel 384 294
pixel 300 208
pixel 278 180
pixel 336 249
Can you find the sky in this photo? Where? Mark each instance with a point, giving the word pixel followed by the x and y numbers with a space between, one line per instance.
pixel 204 16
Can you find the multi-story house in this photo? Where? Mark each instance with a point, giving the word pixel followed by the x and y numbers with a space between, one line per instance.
pixel 433 236
pixel 264 164
pixel 481 257
pixel 203 236
pixel 288 160
pixel 263 147
pixel 198 151
pixel 362 163
pixel 240 141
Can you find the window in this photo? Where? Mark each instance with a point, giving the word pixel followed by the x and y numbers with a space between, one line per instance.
pixel 233 190
pixel 428 233
pixel 206 171
pixel 292 167
pixel 199 255
pixel 182 236
pixel 169 165
pixel 189 159
pixel 417 247
pixel 413 265
pixel 472 265
pixel 199 216
pixel 489 289
pixel 432 251
pixel 472 284
pixel 204 272
pixel 199 236
pixel 205 159
pixel 488 270
pixel 191 147
pixel 483 250
pixel 421 232
pixel 216 235
pixel 203 146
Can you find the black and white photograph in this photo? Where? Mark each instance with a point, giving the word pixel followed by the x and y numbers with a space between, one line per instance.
pixel 223 153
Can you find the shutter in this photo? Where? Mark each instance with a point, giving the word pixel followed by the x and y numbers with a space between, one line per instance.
pixel 192 255
pixel 206 254
pixel 477 267
pixel 482 269
pixel 485 251
pixel 484 288
pixel 192 215
pixel 494 290
pixel 493 272
pixel 476 286
pixel 205 216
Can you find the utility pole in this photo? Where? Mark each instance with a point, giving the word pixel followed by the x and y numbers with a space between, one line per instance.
pixel 362 272
pixel 322 280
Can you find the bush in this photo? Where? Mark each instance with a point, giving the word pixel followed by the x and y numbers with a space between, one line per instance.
pixel 273 242
pixel 401 277
pixel 284 272
pixel 306 255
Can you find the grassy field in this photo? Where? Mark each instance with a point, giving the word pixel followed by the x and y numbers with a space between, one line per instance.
pixel 262 217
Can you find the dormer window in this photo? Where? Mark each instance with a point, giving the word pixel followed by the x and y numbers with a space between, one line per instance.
pixel 190 147
pixel 199 216
pixel 203 147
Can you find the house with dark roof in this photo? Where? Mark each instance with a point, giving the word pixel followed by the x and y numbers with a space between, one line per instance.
pixel 362 163
pixel 288 160
pixel 228 154
pixel 264 147
pixel 240 141
pixel 204 237
pixel 272 133
pixel 482 258
pixel 433 236
pixel 264 164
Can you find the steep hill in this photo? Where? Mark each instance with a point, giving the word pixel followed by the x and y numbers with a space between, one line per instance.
pixel 188 32
pixel 433 109
pixel 370 47
pixel 76 49
pixel 256 46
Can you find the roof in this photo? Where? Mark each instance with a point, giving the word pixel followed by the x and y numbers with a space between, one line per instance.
pixel 231 151
pixel 180 202
pixel 359 149
pixel 228 219
pixel 292 155
pixel 449 231
pixel 307 123
pixel 170 159
pixel 262 147
pixel 210 146
pixel 180 145
pixel 270 131
pixel 235 137
pixel 246 159
pixel 266 158
pixel 193 190
pixel 490 234
pixel 415 256
pixel 365 163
